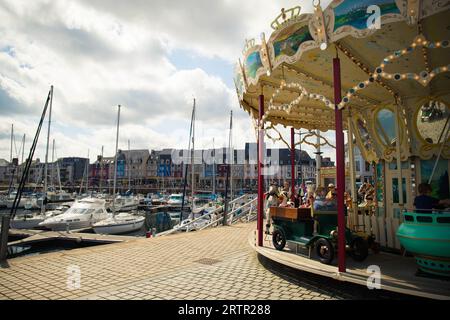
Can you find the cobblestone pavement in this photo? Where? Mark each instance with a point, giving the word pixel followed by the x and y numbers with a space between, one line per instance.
pixel 210 264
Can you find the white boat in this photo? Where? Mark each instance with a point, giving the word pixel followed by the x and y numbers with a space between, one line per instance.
pixel 27 202
pixel 128 203
pixel 59 197
pixel 121 223
pixel 176 199
pixel 83 214
pixel 27 220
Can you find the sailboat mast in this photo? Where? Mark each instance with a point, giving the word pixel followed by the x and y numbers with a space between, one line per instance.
pixel 101 172
pixel 214 170
pixel 52 172
pixel 186 165
pixel 193 156
pixel 87 173
pixel 12 137
pixel 225 209
pixel 23 147
pixel 129 161
pixel 115 160
pixel 48 144
pixel 58 171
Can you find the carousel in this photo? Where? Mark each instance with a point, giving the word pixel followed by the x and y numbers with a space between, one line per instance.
pixel 376 73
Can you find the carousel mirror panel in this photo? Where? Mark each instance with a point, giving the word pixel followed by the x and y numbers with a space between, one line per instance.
pixel 431 121
pixel 385 127
pixel 364 139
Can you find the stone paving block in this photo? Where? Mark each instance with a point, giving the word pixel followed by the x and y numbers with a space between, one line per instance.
pixel 155 269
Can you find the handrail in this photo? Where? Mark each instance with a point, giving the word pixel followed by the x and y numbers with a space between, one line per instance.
pixel 229 214
pixel 237 199
pixel 190 223
pixel 217 210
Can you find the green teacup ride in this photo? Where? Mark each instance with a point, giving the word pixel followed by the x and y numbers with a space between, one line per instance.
pixel 427 237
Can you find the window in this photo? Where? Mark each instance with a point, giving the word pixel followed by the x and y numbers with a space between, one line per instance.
pixel 357 165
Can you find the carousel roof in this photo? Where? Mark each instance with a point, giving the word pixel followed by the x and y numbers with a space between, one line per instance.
pixel 405 59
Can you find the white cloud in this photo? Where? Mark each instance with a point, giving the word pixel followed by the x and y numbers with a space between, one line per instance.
pixel 99 54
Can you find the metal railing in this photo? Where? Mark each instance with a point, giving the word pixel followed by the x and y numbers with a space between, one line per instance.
pixel 246 208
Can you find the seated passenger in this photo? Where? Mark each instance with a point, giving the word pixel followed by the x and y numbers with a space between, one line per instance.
pixel 284 200
pixel 323 204
pixel 309 200
pixel 425 203
pixel 331 192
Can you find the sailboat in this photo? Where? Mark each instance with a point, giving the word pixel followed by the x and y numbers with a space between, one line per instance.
pixel 123 222
pixel 28 201
pixel 32 220
pixel 57 196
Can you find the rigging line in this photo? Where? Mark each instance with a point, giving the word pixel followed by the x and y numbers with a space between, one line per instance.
pixel 29 161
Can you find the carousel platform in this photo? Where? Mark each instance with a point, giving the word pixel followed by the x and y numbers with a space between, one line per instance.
pixel 398 273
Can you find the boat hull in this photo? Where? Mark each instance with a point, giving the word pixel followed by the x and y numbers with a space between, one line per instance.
pixel 63 226
pixel 120 228
pixel 29 223
pixel 427 237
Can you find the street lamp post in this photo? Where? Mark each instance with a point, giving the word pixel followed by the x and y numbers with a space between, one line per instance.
pixel 300 134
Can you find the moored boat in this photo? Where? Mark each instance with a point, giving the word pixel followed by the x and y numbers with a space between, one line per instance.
pixel 83 214
pixel 118 224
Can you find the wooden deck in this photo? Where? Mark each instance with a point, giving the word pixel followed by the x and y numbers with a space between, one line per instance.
pixel 34 236
pixel 398 273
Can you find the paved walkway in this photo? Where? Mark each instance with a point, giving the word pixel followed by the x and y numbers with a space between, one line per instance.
pixel 210 264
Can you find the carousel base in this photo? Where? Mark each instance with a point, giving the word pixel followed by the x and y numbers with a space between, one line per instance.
pixel 398 273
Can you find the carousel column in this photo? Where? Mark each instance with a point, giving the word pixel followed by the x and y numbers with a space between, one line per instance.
pixel 351 158
pixel 260 171
pixel 398 155
pixel 292 164
pixel 340 164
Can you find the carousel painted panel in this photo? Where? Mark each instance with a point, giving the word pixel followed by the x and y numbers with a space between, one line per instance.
pixel 239 82
pixel 288 44
pixel 356 18
pixel 253 66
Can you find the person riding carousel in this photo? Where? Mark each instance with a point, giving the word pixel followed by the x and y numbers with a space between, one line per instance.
pixel 285 196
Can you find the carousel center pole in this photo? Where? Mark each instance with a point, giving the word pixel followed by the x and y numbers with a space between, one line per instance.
pixel 292 164
pixel 340 164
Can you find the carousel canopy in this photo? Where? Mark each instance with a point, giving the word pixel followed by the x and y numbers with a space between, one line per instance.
pixel 401 59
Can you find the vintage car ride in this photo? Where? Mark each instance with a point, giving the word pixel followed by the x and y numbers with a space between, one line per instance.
pixel 317 230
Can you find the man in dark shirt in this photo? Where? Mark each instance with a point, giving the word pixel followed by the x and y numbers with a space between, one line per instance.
pixel 424 202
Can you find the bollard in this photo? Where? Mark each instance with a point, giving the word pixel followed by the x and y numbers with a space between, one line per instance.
pixel 4 238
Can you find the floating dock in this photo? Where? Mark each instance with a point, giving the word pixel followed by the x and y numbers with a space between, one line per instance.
pixel 34 236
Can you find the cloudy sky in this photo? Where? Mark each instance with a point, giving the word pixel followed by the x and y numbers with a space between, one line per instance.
pixel 150 56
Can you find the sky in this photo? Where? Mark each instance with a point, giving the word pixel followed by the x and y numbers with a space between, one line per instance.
pixel 150 56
